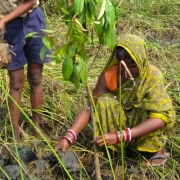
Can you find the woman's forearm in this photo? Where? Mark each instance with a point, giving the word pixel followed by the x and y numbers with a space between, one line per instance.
pixel 81 120
pixel 146 127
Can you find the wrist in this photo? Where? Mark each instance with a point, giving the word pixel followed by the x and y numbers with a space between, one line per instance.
pixel 70 136
pixel 118 137
pixel 126 134
pixel 4 20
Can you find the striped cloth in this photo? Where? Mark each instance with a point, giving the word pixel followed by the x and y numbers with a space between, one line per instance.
pixel 6 6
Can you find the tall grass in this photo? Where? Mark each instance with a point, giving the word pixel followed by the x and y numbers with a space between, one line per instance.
pixel 158 22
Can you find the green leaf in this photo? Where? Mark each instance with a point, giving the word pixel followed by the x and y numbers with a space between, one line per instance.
pixel 75 77
pixel 102 36
pixel 110 12
pixel 78 39
pixel 47 42
pixel 65 11
pixel 67 68
pixel 71 10
pixel 61 2
pixel 83 72
pixel 71 51
pixel 63 50
pixel 78 25
pixel 92 8
pixel 83 76
pixel 78 6
pixel 81 17
pixel 81 51
pixel 99 27
pixel 47 31
pixel 31 34
pixel 78 68
pixel 89 17
pixel 58 59
pixel 98 1
pixel 110 37
pixel 43 52
pixel 103 6
pixel 69 25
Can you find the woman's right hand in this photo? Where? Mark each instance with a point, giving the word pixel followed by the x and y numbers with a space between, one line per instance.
pixel 63 145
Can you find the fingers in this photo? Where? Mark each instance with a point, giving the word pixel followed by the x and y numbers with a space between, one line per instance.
pixel 63 145
pixel 62 149
pixel 109 139
pixel 99 141
pixel 96 139
pixel 57 147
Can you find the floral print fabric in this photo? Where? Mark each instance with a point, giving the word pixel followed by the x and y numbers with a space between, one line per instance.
pixel 130 105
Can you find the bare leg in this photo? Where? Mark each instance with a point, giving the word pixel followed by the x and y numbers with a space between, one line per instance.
pixel 34 76
pixel 16 86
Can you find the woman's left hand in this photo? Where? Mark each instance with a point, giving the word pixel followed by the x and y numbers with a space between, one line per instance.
pixel 109 138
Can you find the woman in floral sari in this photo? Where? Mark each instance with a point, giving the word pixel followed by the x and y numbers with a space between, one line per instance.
pixel 130 91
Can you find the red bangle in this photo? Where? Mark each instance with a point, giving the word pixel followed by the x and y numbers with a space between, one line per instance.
pixel 72 133
pixel 129 130
pixel 68 139
pixel 70 136
pixel 127 134
pixel 117 137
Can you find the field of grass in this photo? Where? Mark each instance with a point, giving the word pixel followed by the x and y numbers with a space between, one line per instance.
pixel 158 22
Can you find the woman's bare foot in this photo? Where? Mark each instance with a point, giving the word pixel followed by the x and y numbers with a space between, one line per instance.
pixel 158 158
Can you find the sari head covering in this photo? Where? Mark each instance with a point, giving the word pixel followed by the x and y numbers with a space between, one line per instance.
pixel 134 95
pixel 144 98
pixel 136 47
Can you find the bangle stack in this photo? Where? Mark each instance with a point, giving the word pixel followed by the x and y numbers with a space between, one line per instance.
pixel 70 136
pixel 118 137
pixel 126 135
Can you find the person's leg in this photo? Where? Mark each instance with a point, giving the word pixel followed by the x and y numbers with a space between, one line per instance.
pixel 16 85
pixel 34 76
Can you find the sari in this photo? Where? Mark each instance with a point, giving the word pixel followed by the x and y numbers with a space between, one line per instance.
pixel 135 101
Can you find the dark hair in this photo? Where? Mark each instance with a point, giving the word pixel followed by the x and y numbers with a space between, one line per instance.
pixel 122 54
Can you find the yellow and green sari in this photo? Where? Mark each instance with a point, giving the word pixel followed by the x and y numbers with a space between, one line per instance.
pixel 148 98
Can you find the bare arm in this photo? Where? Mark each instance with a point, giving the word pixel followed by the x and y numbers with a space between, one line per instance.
pixel 21 9
pixel 146 127
pixel 82 119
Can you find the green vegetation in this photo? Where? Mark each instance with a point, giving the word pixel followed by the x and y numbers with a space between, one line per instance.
pixel 158 22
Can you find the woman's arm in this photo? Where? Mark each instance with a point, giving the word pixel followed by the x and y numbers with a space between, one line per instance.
pixel 21 9
pixel 146 127
pixel 82 119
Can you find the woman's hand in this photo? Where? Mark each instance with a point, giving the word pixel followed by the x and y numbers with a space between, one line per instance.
pixel 63 145
pixel 109 138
